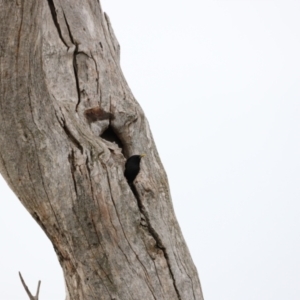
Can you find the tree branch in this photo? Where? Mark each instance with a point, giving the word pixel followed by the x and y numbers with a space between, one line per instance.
pixel 36 297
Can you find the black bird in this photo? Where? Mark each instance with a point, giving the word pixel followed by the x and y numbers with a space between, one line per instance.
pixel 132 167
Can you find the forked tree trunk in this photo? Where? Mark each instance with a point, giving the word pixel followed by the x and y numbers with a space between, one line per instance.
pixel 68 120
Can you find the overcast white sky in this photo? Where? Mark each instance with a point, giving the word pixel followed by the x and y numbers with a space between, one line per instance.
pixel 219 83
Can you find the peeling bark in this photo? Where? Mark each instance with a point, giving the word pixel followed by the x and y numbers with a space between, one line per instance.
pixel 68 122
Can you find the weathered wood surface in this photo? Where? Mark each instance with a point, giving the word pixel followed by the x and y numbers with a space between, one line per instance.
pixel 68 120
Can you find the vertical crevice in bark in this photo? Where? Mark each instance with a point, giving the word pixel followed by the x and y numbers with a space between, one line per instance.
pixel 55 20
pixel 20 29
pixel 98 75
pixel 75 66
pixel 154 234
pixel 71 162
pixel 72 138
pixel 76 76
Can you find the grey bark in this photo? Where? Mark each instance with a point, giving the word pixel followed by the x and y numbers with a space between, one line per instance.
pixel 68 120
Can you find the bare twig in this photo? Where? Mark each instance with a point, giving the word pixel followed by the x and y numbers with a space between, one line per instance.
pixel 36 297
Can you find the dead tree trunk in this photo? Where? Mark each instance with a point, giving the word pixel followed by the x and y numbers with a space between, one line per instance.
pixel 68 120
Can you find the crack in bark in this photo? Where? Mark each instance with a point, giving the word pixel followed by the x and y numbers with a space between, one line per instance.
pixel 76 77
pixel 35 216
pixel 89 175
pixel 76 52
pixel 69 30
pixel 42 179
pixel 113 201
pixel 154 265
pixel 108 180
pixel 31 181
pixel 97 71
pixel 19 33
pixel 87 239
pixel 155 236
pixel 99 240
pixel 116 231
pixel 88 243
pixel 135 270
pixel 55 20
pixel 71 162
pixel 38 162
pixel 72 138
pixel 186 272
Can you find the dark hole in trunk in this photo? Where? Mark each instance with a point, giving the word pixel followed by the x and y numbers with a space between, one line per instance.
pixel 110 136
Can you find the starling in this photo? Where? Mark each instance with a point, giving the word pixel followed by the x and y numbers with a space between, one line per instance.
pixel 132 167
